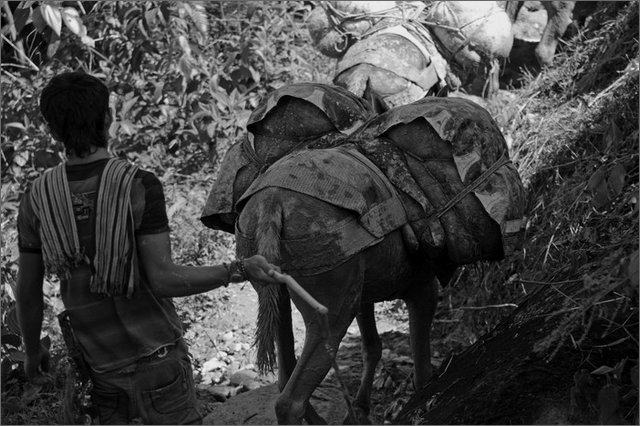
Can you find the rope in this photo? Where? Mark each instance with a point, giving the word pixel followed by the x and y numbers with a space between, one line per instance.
pixel 312 142
pixel 460 195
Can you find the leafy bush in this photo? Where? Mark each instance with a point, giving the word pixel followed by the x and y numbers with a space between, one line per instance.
pixel 184 77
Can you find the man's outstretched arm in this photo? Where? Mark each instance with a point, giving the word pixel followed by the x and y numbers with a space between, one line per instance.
pixel 170 280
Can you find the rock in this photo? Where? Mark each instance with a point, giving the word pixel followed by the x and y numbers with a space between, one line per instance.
pixel 244 378
pixel 220 393
pixel 217 376
pixel 213 364
pixel 228 337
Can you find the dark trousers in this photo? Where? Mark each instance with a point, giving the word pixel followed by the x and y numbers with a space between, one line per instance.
pixel 158 389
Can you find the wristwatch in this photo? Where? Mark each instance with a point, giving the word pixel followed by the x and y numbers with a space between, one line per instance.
pixel 236 272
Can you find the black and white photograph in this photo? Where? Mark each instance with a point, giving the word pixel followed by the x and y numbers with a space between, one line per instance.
pixel 319 212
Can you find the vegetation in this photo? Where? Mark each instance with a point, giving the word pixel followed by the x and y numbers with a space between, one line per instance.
pixel 185 77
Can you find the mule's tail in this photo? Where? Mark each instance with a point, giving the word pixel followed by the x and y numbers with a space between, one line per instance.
pixel 269 296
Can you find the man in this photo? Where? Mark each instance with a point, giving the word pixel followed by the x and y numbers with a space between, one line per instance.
pixel 100 224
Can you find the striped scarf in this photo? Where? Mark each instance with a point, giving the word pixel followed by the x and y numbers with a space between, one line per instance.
pixel 113 266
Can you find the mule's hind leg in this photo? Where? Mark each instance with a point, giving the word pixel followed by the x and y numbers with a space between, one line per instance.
pixel 371 354
pixel 421 300
pixel 286 355
pixel 339 290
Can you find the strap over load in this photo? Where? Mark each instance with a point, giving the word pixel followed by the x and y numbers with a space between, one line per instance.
pixel 335 25
pixel 469 30
pixel 290 118
pixel 320 108
pixel 342 177
pixel 465 198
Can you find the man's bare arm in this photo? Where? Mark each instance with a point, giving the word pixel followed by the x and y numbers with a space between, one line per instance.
pixel 170 280
pixel 30 308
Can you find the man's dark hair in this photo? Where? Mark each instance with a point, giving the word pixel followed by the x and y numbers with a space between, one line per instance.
pixel 75 105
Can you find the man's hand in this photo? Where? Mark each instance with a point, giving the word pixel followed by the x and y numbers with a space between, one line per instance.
pixel 258 269
pixel 36 366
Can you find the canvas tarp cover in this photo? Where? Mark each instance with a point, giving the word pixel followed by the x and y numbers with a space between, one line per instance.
pixel 472 196
pixel 386 53
pixel 343 109
pixel 344 178
pixel 221 196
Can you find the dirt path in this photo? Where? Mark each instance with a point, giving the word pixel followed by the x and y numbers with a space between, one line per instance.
pixel 229 388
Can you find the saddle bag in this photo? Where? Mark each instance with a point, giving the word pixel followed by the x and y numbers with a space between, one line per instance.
pixel 464 198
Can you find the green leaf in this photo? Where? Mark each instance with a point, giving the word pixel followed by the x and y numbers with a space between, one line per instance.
pixel 31 393
pixel 21 17
pixel 5 368
pixel 38 19
pixel 609 403
pixel 72 20
pixel 185 67
pixel 16 355
pixel 54 44
pixel 198 14
pixel 603 369
pixel 127 105
pixel 612 136
pixel 11 321
pixel 597 184
pixel 8 288
pixel 88 41
pixel 616 179
pixel 21 158
pixel 632 269
pixel 634 375
pixel 46 342
pixel 151 17
pixel 52 17
pixel 11 339
pixel 184 45
pixel 165 11
pixel 127 127
pixel 16 125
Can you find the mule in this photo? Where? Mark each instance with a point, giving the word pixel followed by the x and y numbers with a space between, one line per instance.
pixel 450 45
pixel 379 268
pixel 387 270
pixel 243 163
pixel 293 216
